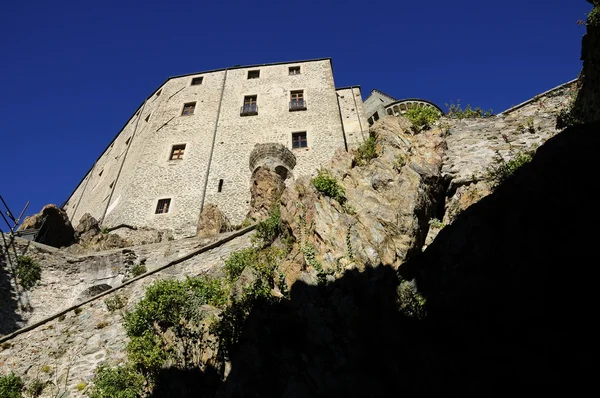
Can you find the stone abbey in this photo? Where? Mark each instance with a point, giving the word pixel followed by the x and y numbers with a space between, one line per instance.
pixel 191 142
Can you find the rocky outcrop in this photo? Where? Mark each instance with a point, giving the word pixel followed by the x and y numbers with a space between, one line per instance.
pixel 91 238
pixel 212 222
pixel 54 226
pixel 388 202
pixel 586 107
pixel 266 189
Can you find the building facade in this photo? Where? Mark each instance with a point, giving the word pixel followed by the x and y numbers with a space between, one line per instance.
pixel 190 142
pixel 379 104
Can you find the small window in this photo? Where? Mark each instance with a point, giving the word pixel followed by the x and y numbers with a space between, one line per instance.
pixel 158 92
pixel 196 81
pixel 127 142
pixel 299 140
pixel 250 106
pixel 112 184
pixel 294 70
pixel 297 102
pixel 163 206
pixel 253 74
pixel 147 118
pixel 376 116
pixel 100 174
pixel 220 187
pixel 177 152
pixel 137 113
pixel 188 109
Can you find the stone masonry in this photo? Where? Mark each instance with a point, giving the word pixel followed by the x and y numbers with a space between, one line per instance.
pixel 203 112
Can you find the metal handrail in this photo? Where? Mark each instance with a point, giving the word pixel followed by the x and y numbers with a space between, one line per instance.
pixel 249 109
pixel 297 105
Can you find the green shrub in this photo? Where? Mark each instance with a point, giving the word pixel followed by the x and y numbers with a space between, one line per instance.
pixel 366 151
pixel 411 302
pixel 239 260
pixel 422 118
pixel 115 302
pixel 138 269
pixel 455 111
pixel 11 386
pixel 28 272
pixel 329 186
pixel 435 223
pixel 267 230
pixel 501 170
pixel 35 388
pixel 121 382
pixel 81 386
pixel 593 18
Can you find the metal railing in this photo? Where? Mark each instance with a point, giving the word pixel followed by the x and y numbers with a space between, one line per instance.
pixel 297 105
pixel 249 110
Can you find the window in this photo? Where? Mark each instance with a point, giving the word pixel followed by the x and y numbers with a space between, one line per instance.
pixel 299 140
pixel 297 102
pixel 220 187
pixel 294 70
pixel 373 118
pixel 147 118
pixel 197 81
pixel 250 106
pixel 163 206
pixel 158 92
pixel 177 152
pixel 100 174
pixel 127 142
pixel 188 109
pixel 253 74
pixel 112 184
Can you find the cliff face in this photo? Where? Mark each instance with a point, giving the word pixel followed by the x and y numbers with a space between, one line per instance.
pixel 353 323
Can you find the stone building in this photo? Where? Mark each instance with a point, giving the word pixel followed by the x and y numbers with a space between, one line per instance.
pixel 379 104
pixel 189 143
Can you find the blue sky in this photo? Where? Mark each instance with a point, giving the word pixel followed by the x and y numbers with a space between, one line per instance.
pixel 72 73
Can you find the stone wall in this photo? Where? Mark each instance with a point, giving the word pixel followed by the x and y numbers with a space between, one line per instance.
pixel 218 142
pixel 66 351
pixel 67 279
pixel 473 143
pixel 352 111
pixel 376 102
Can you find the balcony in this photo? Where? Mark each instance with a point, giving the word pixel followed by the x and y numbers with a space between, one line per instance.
pixel 297 105
pixel 249 110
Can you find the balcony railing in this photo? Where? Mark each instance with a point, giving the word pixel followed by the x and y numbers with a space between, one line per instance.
pixel 249 110
pixel 297 105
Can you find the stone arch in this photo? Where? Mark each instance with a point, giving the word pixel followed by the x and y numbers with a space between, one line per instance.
pixel 274 156
pixel 399 107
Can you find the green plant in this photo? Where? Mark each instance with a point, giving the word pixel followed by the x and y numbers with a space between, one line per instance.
pixel 81 386
pixel 35 388
pixel 455 111
pixel 239 260
pixel 120 382
pixel 138 269
pixel 268 229
pixel 115 302
pixel 101 325
pixel 28 272
pixel 78 310
pixel 328 185
pixel 435 223
pixel 104 230
pixel 593 18
pixel 11 386
pixel 62 317
pixel 411 302
pixel 366 151
pixel 46 368
pixel 399 162
pixel 422 118
pixel 501 170
pixel 530 124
